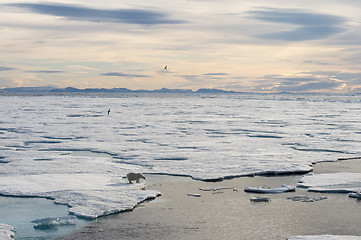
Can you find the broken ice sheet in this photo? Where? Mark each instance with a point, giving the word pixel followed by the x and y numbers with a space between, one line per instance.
pixel 332 182
pixel 6 231
pixel 87 195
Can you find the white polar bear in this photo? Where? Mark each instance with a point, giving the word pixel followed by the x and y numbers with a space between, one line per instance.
pixel 134 176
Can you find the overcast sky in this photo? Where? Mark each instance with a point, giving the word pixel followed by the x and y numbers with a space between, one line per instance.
pixel 249 45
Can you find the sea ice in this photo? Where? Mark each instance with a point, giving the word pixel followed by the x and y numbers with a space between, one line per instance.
pixel 267 137
pixel 70 150
pixel 282 189
pixel 306 198
pixel 87 195
pixel 51 222
pixel 260 199
pixel 332 182
pixel 356 194
pixel 6 231
pixel 194 195
pixel 207 189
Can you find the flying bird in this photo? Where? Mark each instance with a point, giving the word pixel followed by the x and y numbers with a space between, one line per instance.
pixel 165 67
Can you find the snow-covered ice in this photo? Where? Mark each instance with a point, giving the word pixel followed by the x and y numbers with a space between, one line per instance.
pixel 87 195
pixel 332 182
pixel 6 231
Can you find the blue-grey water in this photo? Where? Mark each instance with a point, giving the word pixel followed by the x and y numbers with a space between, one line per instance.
pixel 20 212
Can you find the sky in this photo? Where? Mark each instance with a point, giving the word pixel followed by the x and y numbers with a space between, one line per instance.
pixel 248 46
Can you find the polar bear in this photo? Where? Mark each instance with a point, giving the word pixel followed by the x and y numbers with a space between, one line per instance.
pixel 134 176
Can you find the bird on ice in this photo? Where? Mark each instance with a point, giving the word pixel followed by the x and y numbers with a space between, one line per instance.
pixel 166 67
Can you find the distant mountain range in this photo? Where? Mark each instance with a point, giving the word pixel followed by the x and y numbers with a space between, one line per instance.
pixel 105 90
pixel 71 90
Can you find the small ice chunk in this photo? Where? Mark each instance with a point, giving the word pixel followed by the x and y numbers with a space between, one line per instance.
pixel 215 188
pixel 305 198
pixel 51 222
pixel 282 189
pixel 260 199
pixel 193 195
pixel 356 194
pixel 6 231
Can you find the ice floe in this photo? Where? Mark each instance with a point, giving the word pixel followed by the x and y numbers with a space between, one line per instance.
pixel 332 182
pixel 87 195
pixel 6 231
pixel 52 222
pixel 281 189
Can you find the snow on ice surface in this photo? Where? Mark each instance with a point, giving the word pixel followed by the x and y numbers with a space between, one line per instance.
pixel 325 237
pixel 6 231
pixel 332 182
pixel 88 195
pixel 72 143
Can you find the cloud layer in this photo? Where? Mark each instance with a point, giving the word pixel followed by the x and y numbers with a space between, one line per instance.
pixel 250 46
pixel 79 13
pixel 306 25
pixel 119 74
pixel 6 68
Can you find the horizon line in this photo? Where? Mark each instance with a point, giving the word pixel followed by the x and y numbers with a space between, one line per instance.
pixel 52 89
